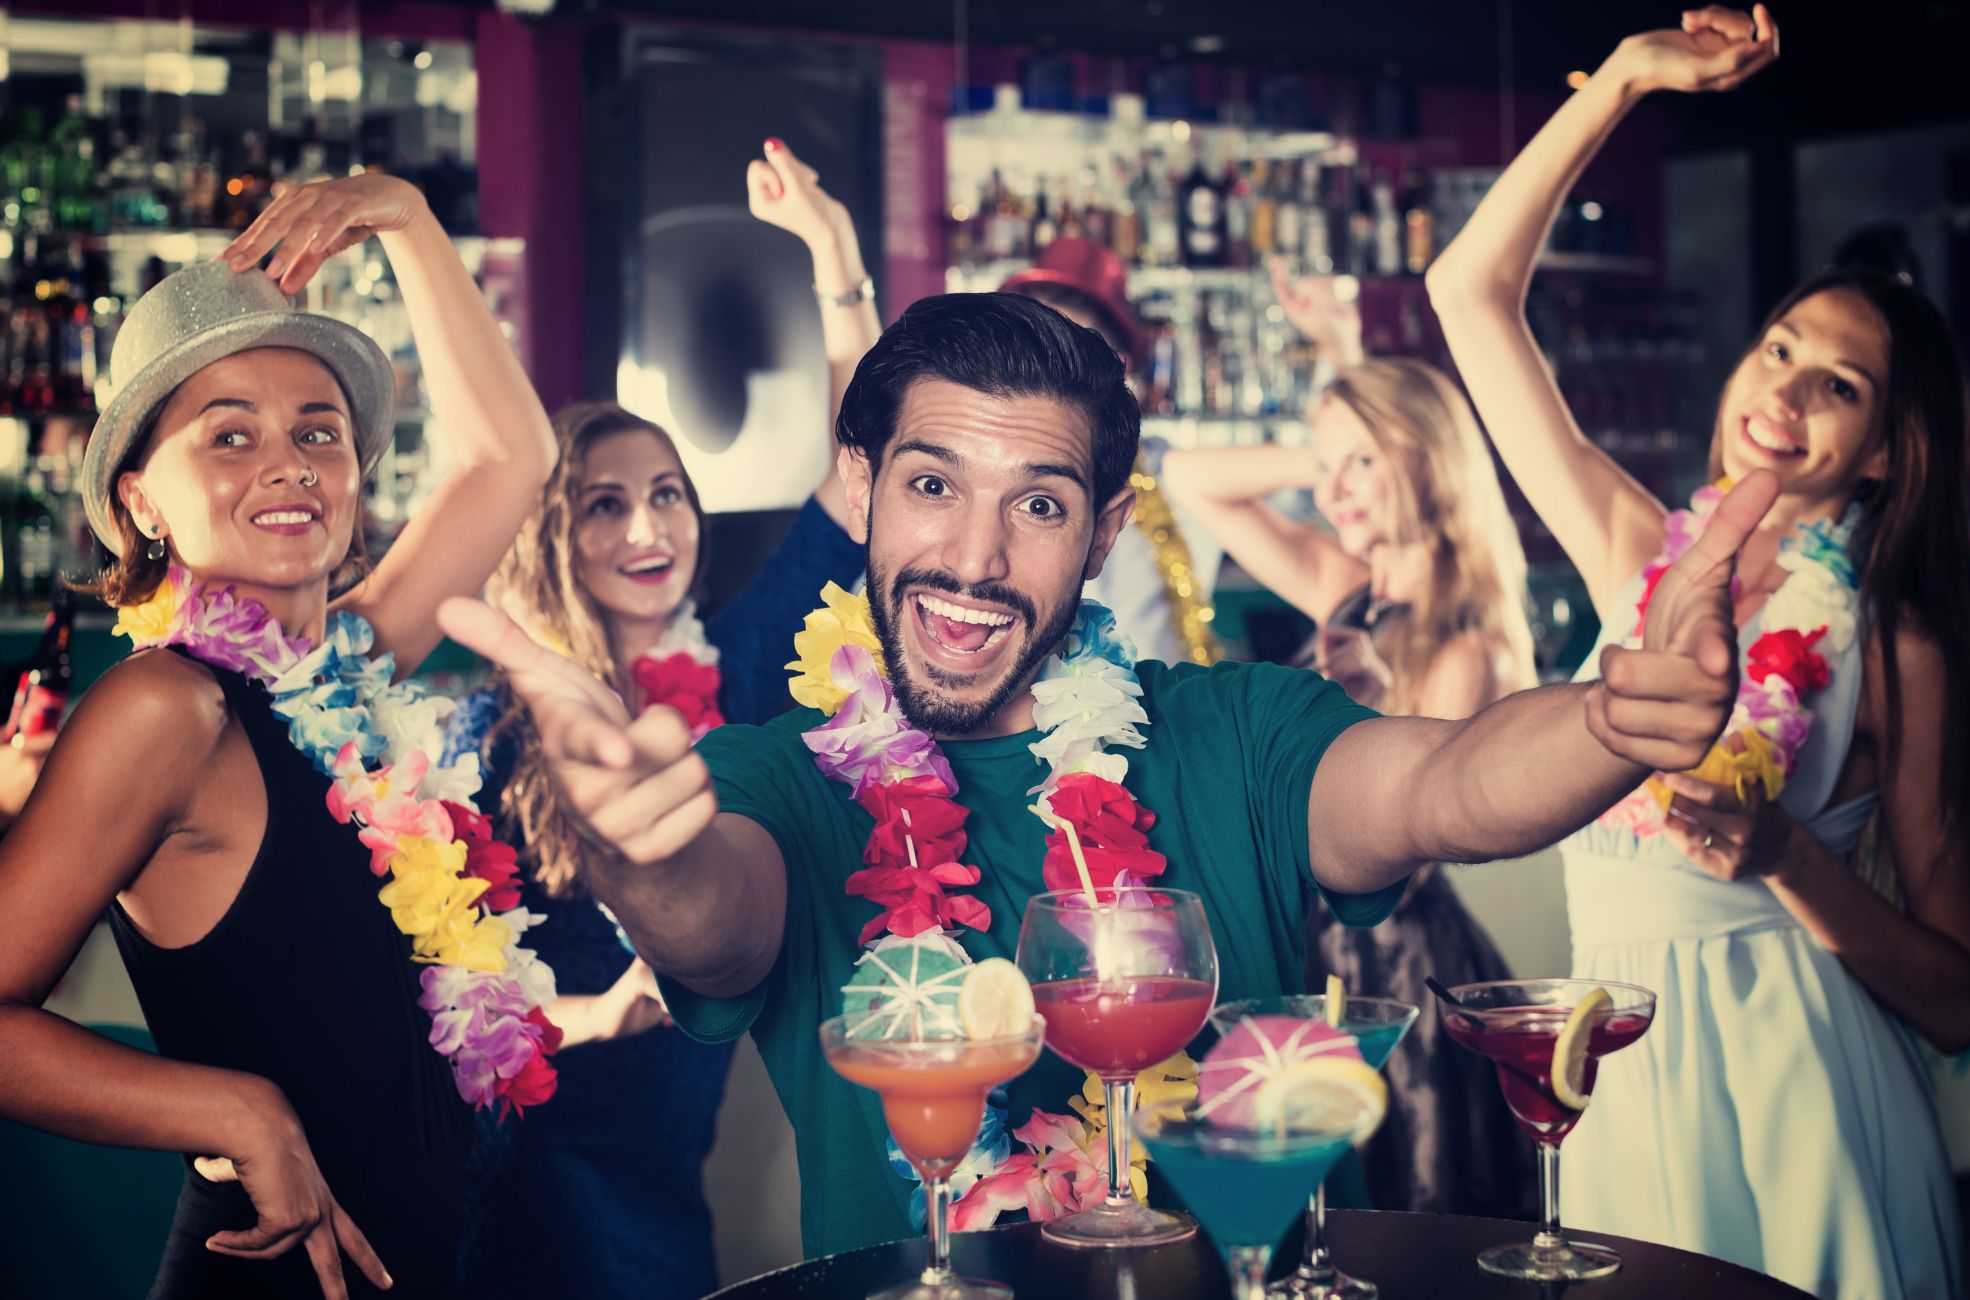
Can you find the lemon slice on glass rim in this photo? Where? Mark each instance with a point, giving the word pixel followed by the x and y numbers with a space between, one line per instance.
pixel 1570 1048
pixel 995 1000
pixel 1323 1094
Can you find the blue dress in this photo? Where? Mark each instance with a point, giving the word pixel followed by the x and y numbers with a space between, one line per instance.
pixel 600 1193
pixel 1774 1115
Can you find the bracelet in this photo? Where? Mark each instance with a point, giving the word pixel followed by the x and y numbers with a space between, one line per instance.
pixel 861 293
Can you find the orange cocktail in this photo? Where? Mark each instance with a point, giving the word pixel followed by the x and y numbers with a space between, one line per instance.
pixel 933 1094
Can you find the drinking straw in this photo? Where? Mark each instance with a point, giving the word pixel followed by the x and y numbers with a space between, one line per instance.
pixel 1430 982
pixel 1080 862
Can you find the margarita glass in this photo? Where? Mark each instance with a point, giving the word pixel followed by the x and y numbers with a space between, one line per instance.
pixel 1519 1025
pixel 933 1097
pixel 1246 1180
pixel 1122 984
pixel 1377 1024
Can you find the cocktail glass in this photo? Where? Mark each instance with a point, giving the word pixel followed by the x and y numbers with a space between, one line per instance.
pixel 1244 1184
pixel 1123 984
pixel 933 1096
pixel 1516 1023
pixel 1377 1024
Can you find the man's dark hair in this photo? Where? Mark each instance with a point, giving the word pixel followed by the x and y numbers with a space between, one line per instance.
pixel 1004 345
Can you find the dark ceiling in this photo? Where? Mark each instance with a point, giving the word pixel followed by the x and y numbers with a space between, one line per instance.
pixel 1846 67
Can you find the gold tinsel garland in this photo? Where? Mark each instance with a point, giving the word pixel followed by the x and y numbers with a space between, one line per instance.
pixel 1190 610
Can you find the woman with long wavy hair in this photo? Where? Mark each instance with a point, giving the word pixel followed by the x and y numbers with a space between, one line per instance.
pixel 1775 1114
pixel 1418 592
pixel 610 1177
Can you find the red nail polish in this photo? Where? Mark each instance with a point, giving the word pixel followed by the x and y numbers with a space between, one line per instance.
pixel 773 142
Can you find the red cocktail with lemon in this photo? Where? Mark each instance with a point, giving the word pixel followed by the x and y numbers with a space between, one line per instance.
pixel 1547 1038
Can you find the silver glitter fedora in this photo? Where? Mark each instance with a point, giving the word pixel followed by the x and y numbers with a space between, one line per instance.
pixel 203 314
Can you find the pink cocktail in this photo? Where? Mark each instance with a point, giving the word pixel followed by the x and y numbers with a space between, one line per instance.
pixel 1521 1040
pixel 1118 1028
pixel 1519 1024
pixel 1123 981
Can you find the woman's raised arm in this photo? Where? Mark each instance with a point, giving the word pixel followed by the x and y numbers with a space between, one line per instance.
pixel 1608 524
pixel 498 445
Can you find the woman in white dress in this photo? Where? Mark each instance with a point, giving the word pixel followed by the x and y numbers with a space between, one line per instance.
pixel 1776 1114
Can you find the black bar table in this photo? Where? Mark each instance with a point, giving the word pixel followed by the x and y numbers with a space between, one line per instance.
pixel 1411 1256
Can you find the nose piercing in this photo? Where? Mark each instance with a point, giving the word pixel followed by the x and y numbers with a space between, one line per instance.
pixel 309 478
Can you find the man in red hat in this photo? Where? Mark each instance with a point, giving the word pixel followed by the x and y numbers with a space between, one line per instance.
pixel 1157 568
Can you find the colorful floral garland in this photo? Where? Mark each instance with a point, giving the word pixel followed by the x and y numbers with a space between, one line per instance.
pixel 453 888
pixel 1086 700
pixel 1815 605
pixel 681 672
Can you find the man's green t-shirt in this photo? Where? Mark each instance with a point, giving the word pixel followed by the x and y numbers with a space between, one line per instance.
pixel 1227 770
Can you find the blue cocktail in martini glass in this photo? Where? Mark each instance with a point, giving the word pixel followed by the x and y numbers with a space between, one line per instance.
pixel 1377 1024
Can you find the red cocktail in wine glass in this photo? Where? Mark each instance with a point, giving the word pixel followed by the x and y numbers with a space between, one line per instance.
pixel 1122 983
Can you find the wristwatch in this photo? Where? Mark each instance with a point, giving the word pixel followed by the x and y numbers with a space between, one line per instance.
pixel 861 293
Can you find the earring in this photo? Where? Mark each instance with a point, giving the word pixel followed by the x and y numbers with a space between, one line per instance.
pixel 156 549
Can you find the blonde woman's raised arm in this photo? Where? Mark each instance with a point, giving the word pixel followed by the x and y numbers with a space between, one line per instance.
pixel 1225 490
pixel 1607 523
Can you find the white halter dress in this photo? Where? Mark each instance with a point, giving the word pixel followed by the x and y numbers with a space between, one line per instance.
pixel 1774 1115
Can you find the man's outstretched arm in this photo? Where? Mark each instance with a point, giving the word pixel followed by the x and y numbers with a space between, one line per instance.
pixel 702 894
pixel 1393 793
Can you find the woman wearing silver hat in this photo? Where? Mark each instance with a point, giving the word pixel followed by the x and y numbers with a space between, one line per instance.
pixel 209 793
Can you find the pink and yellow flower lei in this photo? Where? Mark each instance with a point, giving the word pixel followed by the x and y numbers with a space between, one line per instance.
pixel 452 889
pixel 1814 606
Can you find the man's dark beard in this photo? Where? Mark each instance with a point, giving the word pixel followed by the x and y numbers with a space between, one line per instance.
pixel 932 712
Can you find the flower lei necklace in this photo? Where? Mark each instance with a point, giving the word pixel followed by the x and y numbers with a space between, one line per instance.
pixel 453 889
pixel 1815 605
pixel 681 671
pixel 1087 699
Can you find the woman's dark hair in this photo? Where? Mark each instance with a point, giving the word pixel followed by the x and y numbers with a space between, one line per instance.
pixel 1003 345
pixel 1911 543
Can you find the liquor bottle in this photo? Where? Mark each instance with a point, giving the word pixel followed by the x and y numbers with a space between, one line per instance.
pixel 1125 219
pixel 34 537
pixel 1419 225
pixel 41 692
pixel 1265 209
pixel 1162 227
pixel 1317 247
pixel 1388 226
pixel 1289 223
pixel 134 201
pixel 1202 217
pixel 1361 227
pixel 72 149
pixel 1045 229
pixel 74 329
pixel 22 163
pixel 1095 218
pixel 198 178
pixel 248 189
pixel 1237 215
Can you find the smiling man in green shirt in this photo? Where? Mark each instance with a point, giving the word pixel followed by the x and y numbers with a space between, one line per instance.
pixel 986 443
